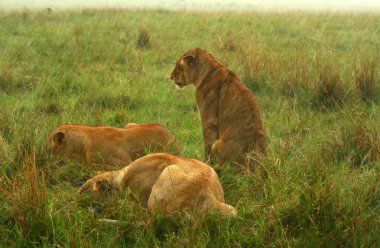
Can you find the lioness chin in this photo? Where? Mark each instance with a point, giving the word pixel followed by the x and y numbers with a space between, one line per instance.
pixel 231 121
pixel 166 183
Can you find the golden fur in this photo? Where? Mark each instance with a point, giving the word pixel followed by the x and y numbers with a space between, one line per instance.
pixel 111 146
pixel 231 121
pixel 166 183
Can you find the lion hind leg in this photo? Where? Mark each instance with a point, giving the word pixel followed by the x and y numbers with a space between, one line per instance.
pixel 175 191
pixel 166 192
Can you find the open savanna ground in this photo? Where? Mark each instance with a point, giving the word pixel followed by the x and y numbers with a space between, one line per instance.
pixel 316 77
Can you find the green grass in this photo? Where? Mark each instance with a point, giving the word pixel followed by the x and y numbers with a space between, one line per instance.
pixel 316 77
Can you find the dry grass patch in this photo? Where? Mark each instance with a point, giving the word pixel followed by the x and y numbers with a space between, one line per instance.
pixel 365 79
pixel 329 88
pixel 358 144
pixel 143 38
pixel 254 75
pixel 27 199
pixel 295 78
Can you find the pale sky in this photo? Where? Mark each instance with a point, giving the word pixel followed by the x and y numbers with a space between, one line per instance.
pixel 277 5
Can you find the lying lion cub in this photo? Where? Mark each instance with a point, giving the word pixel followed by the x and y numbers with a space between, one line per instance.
pixel 111 146
pixel 231 120
pixel 167 183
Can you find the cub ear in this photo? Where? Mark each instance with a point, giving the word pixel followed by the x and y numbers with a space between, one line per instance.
pixel 59 138
pixel 189 59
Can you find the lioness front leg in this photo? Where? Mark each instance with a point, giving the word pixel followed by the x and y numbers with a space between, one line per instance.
pixel 210 135
pixel 208 109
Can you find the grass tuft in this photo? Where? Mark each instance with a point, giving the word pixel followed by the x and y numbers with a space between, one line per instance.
pixel 365 79
pixel 143 39
pixel 253 75
pixel 6 79
pixel 359 144
pixel 50 107
pixel 110 100
pixel 329 88
pixel 10 83
pixel 28 199
pixel 228 44
pixel 296 79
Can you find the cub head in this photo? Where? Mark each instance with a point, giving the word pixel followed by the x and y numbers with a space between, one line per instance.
pixel 188 67
pixel 57 141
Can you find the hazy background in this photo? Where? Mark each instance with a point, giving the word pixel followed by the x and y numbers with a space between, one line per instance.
pixel 277 5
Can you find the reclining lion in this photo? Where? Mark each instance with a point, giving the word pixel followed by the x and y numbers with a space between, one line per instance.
pixel 111 146
pixel 231 121
pixel 166 183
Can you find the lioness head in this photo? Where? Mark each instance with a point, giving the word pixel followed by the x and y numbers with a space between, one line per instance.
pixel 96 189
pixel 57 141
pixel 190 67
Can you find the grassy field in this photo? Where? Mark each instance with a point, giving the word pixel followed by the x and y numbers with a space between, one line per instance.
pixel 316 77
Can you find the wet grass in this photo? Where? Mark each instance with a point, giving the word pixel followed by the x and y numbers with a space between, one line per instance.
pixel 314 75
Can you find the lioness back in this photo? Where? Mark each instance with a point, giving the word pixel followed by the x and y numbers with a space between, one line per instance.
pixel 160 139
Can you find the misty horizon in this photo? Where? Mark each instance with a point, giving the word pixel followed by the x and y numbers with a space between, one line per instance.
pixel 239 5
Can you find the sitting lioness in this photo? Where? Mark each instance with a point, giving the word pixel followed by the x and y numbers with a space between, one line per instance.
pixel 110 146
pixel 231 120
pixel 166 183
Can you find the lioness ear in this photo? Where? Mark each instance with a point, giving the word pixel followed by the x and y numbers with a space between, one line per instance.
pixel 189 59
pixel 59 138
